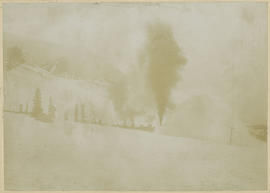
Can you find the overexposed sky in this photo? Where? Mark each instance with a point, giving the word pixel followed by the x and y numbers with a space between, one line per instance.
pixel 216 38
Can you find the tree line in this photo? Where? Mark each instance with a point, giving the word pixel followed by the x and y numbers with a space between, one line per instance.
pixel 78 114
pixel 37 111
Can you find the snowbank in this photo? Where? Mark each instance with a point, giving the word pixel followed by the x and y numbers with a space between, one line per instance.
pixel 68 156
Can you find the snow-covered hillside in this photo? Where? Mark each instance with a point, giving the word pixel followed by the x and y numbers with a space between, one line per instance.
pixel 21 83
pixel 74 156
pixel 198 116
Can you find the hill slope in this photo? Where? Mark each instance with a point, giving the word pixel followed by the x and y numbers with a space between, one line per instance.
pixel 41 156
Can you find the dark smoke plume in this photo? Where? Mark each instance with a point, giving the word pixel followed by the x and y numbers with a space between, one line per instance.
pixel 164 58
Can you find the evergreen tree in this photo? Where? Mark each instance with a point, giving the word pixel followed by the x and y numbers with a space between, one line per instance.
pixel 82 113
pixel 76 112
pixel 37 108
pixel 51 110
pixel 26 108
pixel 21 108
pixel 66 115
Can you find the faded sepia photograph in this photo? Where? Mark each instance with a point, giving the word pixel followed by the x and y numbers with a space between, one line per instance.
pixel 135 96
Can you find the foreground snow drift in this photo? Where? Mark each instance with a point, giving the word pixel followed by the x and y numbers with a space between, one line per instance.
pixel 58 156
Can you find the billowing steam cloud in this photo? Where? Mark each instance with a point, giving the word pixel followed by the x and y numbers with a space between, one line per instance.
pixel 164 58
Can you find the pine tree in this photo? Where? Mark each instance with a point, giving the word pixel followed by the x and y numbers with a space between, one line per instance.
pixel 21 108
pixel 82 113
pixel 37 108
pixel 51 110
pixel 66 115
pixel 76 111
pixel 26 108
